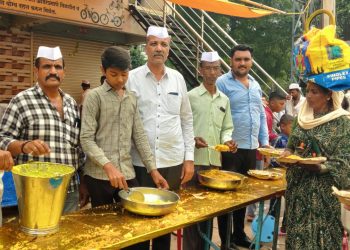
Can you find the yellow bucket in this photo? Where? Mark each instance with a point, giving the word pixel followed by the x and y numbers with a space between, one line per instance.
pixel 41 189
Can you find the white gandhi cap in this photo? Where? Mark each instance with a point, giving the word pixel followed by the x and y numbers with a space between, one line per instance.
pixel 49 53
pixel 294 86
pixel 210 56
pixel 160 32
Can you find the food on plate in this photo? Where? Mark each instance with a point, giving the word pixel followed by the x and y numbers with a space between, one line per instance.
pixel 222 148
pixel 313 160
pixel 270 151
pixel 289 159
pixel 263 174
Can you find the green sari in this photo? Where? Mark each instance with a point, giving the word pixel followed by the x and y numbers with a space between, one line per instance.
pixel 313 213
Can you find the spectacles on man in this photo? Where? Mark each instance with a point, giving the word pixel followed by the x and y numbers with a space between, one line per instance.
pixel 214 68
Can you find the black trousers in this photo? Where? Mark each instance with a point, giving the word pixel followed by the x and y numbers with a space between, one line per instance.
pixel 173 177
pixel 102 193
pixel 240 162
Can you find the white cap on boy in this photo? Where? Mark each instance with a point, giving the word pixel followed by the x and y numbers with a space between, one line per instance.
pixel 49 53
pixel 210 56
pixel 160 32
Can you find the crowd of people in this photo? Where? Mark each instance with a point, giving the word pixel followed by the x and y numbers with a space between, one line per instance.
pixel 142 128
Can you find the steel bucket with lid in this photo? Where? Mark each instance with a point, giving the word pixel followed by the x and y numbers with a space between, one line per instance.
pixel 41 189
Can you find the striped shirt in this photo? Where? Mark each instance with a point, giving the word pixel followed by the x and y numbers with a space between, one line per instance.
pixel 110 124
pixel 31 116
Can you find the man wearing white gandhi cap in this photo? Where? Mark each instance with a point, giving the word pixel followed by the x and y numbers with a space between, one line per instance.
pixel 42 122
pixel 167 117
pixel 212 124
pixel 160 32
pixel 295 99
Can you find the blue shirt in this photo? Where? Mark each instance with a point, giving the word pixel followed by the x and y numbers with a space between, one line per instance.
pixel 247 111
pixel 281 141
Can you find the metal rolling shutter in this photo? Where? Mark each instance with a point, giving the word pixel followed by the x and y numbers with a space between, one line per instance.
pixel 82 60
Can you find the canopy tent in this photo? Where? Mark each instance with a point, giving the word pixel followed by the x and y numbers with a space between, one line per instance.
pixel 225 7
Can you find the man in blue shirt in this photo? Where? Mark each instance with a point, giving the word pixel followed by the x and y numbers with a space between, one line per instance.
pixel 250 125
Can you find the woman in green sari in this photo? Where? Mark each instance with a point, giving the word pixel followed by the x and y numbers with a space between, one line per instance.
pixel 313 213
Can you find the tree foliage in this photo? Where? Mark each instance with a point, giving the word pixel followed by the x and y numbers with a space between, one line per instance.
pixel 272 37
pixel 137 55
pixel 269 36
pixel 342 18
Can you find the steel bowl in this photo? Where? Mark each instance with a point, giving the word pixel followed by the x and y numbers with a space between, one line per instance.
pixel 157 201
pixel 222 184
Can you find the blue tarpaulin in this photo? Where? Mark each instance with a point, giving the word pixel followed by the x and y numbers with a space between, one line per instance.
pixel 9 197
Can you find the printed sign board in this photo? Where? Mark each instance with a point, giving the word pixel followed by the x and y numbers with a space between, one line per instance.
pixel 108 13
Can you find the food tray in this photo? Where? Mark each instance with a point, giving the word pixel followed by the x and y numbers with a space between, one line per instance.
pixel 313 160
pixel 222 180
pixel 265 175
pixel 272 152
pixel 289 159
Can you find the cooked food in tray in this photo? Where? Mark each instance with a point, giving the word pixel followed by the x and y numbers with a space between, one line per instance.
pixel 273 152
pixel 265 175
pixel 221 175
pixel 296 158
pixel 289 159
pixel 313 160
pixel 223 180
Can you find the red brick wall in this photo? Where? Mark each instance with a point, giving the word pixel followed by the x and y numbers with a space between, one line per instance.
pixel 15 63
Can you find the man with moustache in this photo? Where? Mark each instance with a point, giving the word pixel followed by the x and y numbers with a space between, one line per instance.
pixel 42 123
pixel 250 129
pixel 212 124
pixel 167 118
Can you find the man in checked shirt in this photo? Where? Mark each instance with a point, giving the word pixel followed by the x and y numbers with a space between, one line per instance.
pixel 42 123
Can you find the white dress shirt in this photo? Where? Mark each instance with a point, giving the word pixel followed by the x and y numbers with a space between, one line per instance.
pixel 294 110
pixel 166 114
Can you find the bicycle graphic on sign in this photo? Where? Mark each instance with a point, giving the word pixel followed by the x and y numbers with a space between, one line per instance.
pixel 89 13
pixel 112 17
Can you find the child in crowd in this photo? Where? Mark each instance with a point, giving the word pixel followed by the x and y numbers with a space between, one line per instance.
pixel 110 124
pixel 276 103
pixel 285 124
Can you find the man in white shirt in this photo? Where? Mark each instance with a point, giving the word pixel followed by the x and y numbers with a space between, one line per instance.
pixel 295 99
pixel 6 163
pixel 167 118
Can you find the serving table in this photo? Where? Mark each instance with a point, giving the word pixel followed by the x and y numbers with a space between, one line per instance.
pixel 113 227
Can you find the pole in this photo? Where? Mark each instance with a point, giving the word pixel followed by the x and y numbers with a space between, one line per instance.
pixel 330 6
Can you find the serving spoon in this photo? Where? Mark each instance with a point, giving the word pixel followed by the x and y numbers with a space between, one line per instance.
pixel 135 195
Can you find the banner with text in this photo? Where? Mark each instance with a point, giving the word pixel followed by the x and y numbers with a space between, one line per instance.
pixel 108 13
